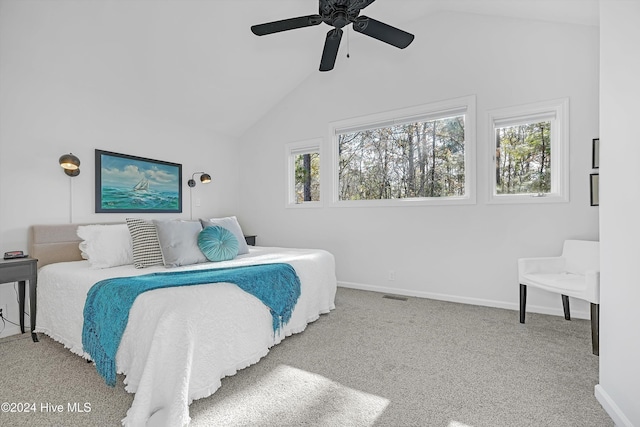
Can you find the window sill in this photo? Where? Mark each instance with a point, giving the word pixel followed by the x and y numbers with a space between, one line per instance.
pixel 305 205
pixel 427 201
pixel 527 199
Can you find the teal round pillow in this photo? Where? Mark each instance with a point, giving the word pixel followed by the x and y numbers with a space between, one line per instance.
pixel 218 243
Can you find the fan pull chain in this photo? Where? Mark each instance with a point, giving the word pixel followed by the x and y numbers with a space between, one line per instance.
pixel 348 42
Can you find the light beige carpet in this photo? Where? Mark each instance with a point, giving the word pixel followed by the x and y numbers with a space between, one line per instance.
pixel 371 362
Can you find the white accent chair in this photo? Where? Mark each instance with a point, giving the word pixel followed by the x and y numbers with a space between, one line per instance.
pixel 576 273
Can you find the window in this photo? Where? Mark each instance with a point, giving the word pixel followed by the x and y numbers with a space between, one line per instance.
pixel 530 153
pixel 303 175
pixel 421 155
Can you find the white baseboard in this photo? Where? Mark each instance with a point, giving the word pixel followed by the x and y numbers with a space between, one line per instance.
pixel 578 314
pixel 9 330
pixel 611 408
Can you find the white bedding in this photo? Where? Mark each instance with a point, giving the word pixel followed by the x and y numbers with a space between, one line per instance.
pixel 181 341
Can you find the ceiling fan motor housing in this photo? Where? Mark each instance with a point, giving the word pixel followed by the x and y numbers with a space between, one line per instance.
pixel 337 13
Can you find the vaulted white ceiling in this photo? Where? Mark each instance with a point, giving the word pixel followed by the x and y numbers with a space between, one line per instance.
pixel 207 69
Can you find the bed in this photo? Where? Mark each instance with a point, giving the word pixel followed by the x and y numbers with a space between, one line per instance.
pixel 179 342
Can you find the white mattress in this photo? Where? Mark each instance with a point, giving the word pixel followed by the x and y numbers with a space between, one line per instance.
pixel 181 341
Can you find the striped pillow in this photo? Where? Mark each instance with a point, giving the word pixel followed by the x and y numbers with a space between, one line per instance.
pixel 146 246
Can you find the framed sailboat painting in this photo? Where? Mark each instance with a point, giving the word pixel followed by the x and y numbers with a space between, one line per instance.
pixel 127 184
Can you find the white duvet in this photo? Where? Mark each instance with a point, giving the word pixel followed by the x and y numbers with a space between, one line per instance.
pixel 180 342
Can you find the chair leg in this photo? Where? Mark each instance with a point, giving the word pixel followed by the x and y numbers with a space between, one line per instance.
pixel 595 328
pixel 523 301
pixel 565 306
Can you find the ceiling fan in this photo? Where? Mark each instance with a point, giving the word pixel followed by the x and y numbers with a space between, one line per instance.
pixel 338 13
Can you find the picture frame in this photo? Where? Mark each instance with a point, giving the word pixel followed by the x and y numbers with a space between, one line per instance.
pixel 594 189
pixel 595 153
pixel 132 184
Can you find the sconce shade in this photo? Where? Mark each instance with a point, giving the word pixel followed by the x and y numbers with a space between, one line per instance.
pixel 205 178
pixel 69 162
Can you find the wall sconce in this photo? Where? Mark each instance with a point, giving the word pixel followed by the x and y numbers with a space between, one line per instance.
pixel 70 164
pixel 205 178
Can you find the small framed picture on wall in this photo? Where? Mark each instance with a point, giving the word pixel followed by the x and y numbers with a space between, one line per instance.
pixel 594 186
pixel 595 156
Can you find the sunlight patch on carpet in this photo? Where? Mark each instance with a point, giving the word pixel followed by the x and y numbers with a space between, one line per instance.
pixel 458 424
pixel 291 396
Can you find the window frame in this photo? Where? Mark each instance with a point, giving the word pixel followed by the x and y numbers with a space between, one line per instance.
pixel 463 105
pixel 558 111
pixel 292 150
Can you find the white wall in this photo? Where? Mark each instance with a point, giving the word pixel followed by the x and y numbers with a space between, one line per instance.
pixel 75 76
pixel 619 388
pixel 461 253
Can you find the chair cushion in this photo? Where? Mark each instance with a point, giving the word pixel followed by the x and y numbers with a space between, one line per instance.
pixel 572 285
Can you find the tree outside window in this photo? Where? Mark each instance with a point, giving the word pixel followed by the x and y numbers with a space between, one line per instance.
pixel 523 159
pixel 307 177
pixel 418 159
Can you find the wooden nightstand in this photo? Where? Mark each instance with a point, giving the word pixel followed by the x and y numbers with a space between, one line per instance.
pixel 20 270
pixel 251 240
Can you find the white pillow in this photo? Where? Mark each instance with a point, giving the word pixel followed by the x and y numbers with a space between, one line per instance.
pixel 83 250
pixel 106 245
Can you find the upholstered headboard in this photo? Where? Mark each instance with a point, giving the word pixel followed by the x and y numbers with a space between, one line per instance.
pixel 50 243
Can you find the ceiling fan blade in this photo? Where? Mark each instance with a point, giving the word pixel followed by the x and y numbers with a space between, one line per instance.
pixel 330 52
pixel 383 32
pixel 286 24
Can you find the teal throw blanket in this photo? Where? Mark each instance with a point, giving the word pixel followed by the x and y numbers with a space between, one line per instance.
pixel 106 310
